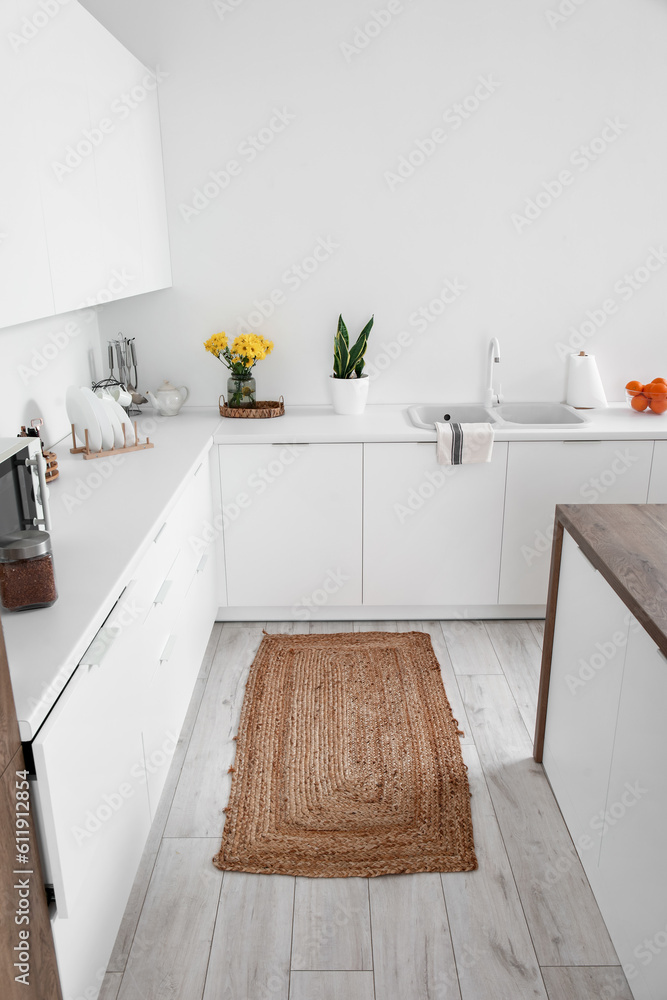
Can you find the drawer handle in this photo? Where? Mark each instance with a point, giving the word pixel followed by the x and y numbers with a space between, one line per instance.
pixel 202 564
pixel 160 532
pixel 583 441
pixel 168 649
pixel 162 592
pixel 99 647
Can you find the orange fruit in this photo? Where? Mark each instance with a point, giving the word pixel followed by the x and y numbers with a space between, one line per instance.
pixel 659 403
pixel 639 402
pixel 664 381
pixel 634 386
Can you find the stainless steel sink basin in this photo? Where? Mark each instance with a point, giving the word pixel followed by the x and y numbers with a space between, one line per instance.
pixel 462 413
pixel 539 413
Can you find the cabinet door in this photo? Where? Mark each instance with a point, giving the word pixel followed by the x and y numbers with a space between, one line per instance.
pixel 95 813
pixel 588 655
pixel 541 474
pixel 657 491
pixel 431 532
pixel 633 884
pixel 292 525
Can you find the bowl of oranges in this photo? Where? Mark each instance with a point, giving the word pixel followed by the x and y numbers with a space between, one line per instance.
pixel 649 398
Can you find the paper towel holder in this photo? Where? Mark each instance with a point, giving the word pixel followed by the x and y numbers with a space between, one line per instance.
pixel 584 386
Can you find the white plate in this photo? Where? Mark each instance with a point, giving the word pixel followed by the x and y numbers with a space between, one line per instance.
pixel 81 413
pixel 102 417
pixel 116 424
pixel 123 418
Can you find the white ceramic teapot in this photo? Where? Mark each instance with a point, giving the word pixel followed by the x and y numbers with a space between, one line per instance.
pixel 168 399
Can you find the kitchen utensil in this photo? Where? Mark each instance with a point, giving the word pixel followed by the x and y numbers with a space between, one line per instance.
pixel 82 415
pixel 123 420
pixel 168 399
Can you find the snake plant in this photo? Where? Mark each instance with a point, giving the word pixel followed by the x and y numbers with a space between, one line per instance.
pixel 349 362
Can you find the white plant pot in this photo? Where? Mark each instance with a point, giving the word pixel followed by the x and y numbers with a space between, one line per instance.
pixel 349 395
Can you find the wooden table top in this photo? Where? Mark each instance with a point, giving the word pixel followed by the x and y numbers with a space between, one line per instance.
pixel 627 543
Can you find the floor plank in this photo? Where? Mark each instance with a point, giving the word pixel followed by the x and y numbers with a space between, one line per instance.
pixel 110 986
pixel 128 926
pixel 492 945
pixel 332 929
pixel 537 628
pixel 520 657
pixel 564 918
pixel 250 954
pixel 287 628
pixel 470 648
pixel 412 948
pixel 170 952
pixel 332 986
pixel 449 680
pixel 203 789
pixel 601 983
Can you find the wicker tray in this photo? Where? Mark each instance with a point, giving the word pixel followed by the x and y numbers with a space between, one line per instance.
pixel 261 410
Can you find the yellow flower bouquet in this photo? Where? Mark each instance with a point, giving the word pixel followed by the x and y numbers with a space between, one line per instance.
pixel 246 350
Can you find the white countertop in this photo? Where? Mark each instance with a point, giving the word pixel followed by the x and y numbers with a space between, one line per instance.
pixel 105 513
pixel 390 422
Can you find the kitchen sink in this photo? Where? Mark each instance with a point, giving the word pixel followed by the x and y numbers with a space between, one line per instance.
pixel 462 413
pixel 539 413
pixel 532 414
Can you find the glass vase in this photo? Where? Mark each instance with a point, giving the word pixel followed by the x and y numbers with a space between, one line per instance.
pixel 241 390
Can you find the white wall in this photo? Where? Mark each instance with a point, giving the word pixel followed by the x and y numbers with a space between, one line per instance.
pixel 226 66
pixel 38 361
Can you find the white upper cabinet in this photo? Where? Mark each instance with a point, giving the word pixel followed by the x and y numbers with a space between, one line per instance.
pixel 542 474
pixel 432 533
pixel 82 208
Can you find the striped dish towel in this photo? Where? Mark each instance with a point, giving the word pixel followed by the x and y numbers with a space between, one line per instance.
pixel 463 444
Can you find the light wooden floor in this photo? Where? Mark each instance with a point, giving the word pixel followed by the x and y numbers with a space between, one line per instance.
pixel 524 925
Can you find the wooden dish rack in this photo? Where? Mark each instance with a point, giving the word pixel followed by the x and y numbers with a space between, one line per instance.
pixel 88 454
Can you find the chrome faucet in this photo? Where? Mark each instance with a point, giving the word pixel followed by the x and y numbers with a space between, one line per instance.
pixel 492 398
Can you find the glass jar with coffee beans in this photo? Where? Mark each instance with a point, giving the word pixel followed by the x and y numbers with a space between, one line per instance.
pixel 27 579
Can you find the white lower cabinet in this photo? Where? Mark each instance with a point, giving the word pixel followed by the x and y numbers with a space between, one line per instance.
pixel 586 672
pixel 432 533
pixel 657 492
pixel 632 883
pixel 541 474
pixel 604 754
pixel 292 525
pixel 103 754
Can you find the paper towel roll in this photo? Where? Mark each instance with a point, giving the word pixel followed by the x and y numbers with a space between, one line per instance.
pixel 584 386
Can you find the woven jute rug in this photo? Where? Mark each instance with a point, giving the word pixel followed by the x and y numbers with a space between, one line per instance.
pixel 348 761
